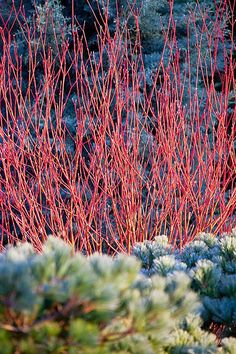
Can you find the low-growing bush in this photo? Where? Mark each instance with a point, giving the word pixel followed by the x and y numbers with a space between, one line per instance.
pixel 60 302
pixel 211 264
pixel 46 30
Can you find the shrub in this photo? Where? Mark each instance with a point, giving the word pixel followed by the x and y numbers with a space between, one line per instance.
pixel 211 264
pixel 47 30
pixel 60 301
pixel 91 151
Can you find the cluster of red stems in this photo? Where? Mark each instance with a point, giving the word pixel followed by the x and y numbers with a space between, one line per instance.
pixel 190 185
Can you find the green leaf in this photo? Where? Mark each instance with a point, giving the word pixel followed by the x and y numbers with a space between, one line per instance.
pixel 85 333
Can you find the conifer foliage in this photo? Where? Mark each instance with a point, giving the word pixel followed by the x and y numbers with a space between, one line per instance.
pixel 58 301
pixel 211 264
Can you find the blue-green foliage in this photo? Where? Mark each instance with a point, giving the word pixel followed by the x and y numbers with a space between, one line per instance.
pixel 46 30
pixel 57 301
pixel 210 262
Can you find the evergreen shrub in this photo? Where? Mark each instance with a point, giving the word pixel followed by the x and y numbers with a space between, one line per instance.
pixel 210 262
pixel 46 30
pixel 58 301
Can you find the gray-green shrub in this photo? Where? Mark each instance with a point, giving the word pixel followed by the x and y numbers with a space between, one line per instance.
pixel 58 301
pixel 211 264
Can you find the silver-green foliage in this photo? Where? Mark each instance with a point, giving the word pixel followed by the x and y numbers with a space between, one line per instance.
pixel 57 301
pixel 210 262
pixel 46 30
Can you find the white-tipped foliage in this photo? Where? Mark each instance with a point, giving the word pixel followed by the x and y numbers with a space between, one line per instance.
pixel 211 264
pixel 58 301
